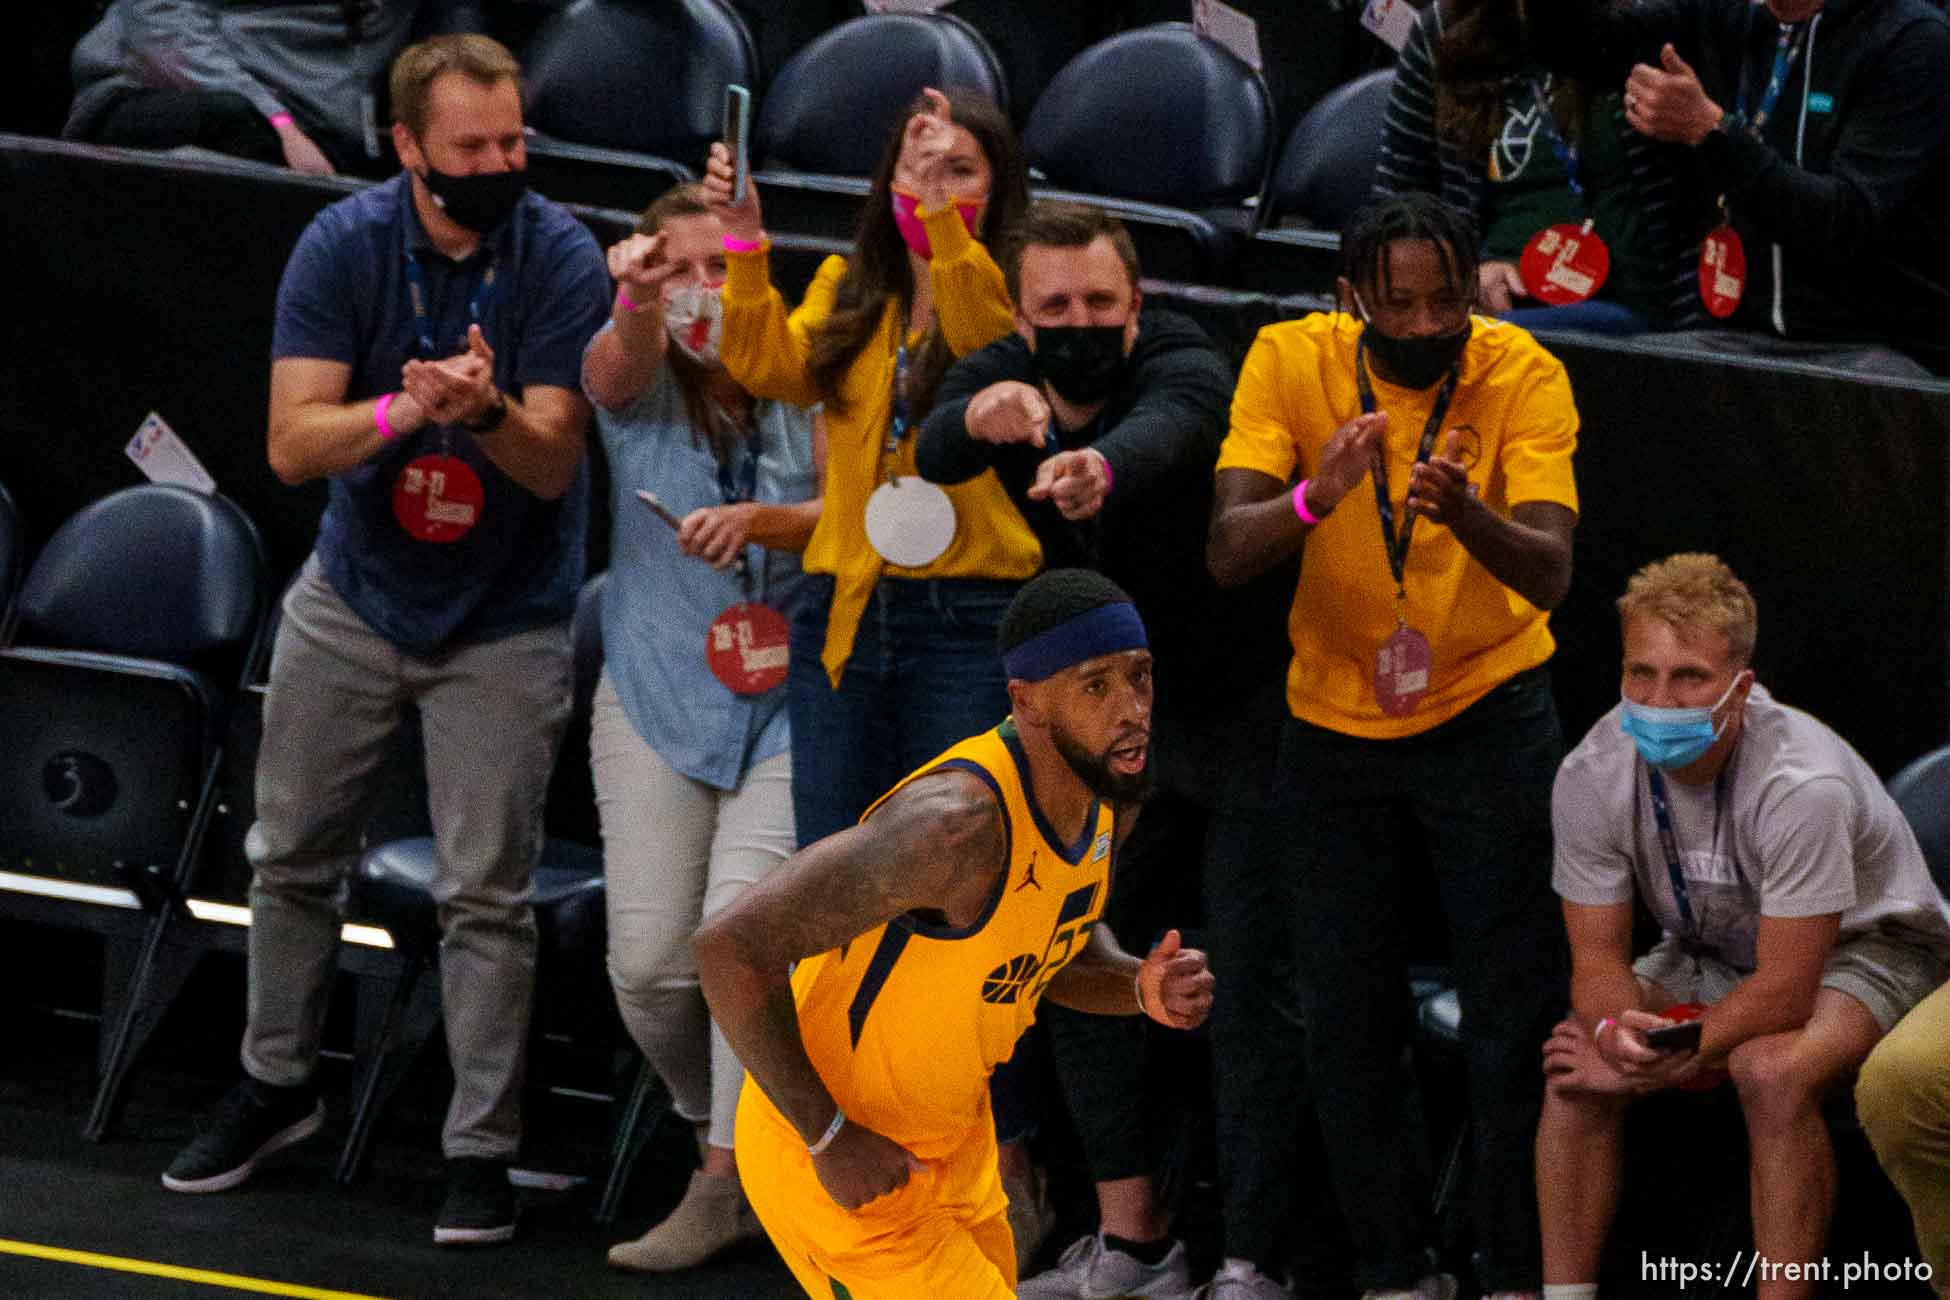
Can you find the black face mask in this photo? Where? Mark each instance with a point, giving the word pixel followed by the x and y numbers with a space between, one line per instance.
pixel 1081 362
pixel 1417 362
pixel 478 202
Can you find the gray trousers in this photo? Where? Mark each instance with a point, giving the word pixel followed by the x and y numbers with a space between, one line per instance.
pixel 492 714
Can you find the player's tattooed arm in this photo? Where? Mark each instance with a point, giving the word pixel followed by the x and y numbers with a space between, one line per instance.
pixel 935 847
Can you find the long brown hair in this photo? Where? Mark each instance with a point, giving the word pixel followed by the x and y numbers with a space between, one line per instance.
pixel 693 379
pixel 1483 44
pixel 877 268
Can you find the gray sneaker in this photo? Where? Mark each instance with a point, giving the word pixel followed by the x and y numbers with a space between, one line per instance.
pixel 1240 1280
pixel 1436 1286
pixel 1090 1270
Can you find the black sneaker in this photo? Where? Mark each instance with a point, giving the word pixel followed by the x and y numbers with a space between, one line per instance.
pixel 480 1205
pixel 254 1120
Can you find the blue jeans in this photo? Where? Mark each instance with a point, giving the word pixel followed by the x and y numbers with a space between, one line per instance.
pixel 1590 317
pixel 924 674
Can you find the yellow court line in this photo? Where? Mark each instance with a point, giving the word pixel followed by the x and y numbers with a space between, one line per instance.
pixel 205 1276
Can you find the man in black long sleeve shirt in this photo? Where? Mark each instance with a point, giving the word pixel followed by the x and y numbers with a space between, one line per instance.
pixel 1103 420
pixel 1840 189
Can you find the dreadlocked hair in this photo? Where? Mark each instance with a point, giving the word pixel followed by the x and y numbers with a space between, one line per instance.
pixel 1365 240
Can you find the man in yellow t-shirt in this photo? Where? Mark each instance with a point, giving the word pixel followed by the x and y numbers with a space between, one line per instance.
pixel 1420 705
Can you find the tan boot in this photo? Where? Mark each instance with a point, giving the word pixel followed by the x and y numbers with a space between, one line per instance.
pixel 711 1216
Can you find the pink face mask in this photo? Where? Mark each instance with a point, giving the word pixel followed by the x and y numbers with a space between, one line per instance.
pixel 907 216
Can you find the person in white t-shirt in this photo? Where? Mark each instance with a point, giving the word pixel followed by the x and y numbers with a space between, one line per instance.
pixel 1796 907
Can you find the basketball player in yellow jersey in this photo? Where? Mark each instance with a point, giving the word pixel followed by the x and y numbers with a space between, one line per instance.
pixel 925 936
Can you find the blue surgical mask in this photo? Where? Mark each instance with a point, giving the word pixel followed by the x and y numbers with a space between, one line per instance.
pixel 1674 738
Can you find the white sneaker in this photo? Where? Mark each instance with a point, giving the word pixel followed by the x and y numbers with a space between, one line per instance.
pixel 1239 1279
pixel 1436 1286
pixel 1090 1270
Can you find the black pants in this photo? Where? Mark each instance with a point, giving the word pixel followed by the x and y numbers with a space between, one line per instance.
pixel 219 120
pixel 1476 791
pixel 1124 1078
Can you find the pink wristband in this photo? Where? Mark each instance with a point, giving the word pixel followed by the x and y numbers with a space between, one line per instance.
pixel 386 431
pixel 734 245
pixel 1300 504
pixel 280 120
pixel 624 301
pixel 1110 478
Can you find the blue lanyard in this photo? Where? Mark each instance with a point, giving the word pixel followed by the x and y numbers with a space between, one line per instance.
pixel 1567 153
pixel 1669 841
pixel 1786 51
pixel 479 297
pixel 739 488
pixel 897 422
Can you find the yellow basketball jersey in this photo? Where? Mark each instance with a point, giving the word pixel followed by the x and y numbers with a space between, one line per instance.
pixel 905 1022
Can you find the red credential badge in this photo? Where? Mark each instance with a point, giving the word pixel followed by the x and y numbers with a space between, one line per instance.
pixel 747 648
pixel 1722 271
pixel 1563 264
pixel 437 498
pixel 1401 671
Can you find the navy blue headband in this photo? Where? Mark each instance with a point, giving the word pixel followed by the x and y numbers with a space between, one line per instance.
pixel 1104 630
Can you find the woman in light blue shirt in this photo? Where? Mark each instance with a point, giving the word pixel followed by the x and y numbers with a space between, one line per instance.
pixel 713 494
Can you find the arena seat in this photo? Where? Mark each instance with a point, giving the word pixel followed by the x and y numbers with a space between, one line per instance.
pixel 13 558
pixel 137 623
pixel 1922 791
pixel 392 891
pixel 1034 40
pixel 625 99
pixel 1325 175
pixel 1167 130
pixel 826 118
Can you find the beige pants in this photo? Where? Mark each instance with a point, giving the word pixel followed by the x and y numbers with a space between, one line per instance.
pixel 1903 1099
pixel 676 851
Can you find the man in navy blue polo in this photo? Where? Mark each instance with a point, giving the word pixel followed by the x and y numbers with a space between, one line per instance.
pixel 426 361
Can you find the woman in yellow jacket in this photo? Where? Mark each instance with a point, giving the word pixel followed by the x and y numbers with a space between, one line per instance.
pixel 893 648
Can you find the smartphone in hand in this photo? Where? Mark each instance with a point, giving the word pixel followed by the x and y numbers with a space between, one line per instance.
pixel 1682 1037
pixel 737 138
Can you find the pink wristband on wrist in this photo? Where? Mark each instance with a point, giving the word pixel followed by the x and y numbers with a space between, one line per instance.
pixel 386 431
pixel 280 120
pixel 735 245
pixel 624 301
pixel 1110 478
pixel 1300 504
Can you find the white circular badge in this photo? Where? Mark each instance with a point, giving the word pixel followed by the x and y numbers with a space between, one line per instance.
pixel 910 521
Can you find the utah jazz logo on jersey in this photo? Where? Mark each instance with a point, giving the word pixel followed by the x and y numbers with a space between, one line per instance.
pixel 1006 982
pixel 1510 152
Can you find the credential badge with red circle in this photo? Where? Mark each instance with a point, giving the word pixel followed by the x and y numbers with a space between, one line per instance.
pixel 1722 271
pixel 438 498
pixel 747 648
pixel 1563 264
pixel 1401 671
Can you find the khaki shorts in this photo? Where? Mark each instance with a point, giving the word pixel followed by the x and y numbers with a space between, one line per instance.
pixel 1888 976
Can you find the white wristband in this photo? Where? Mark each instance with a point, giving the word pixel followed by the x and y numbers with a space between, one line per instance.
pixel 832 1131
